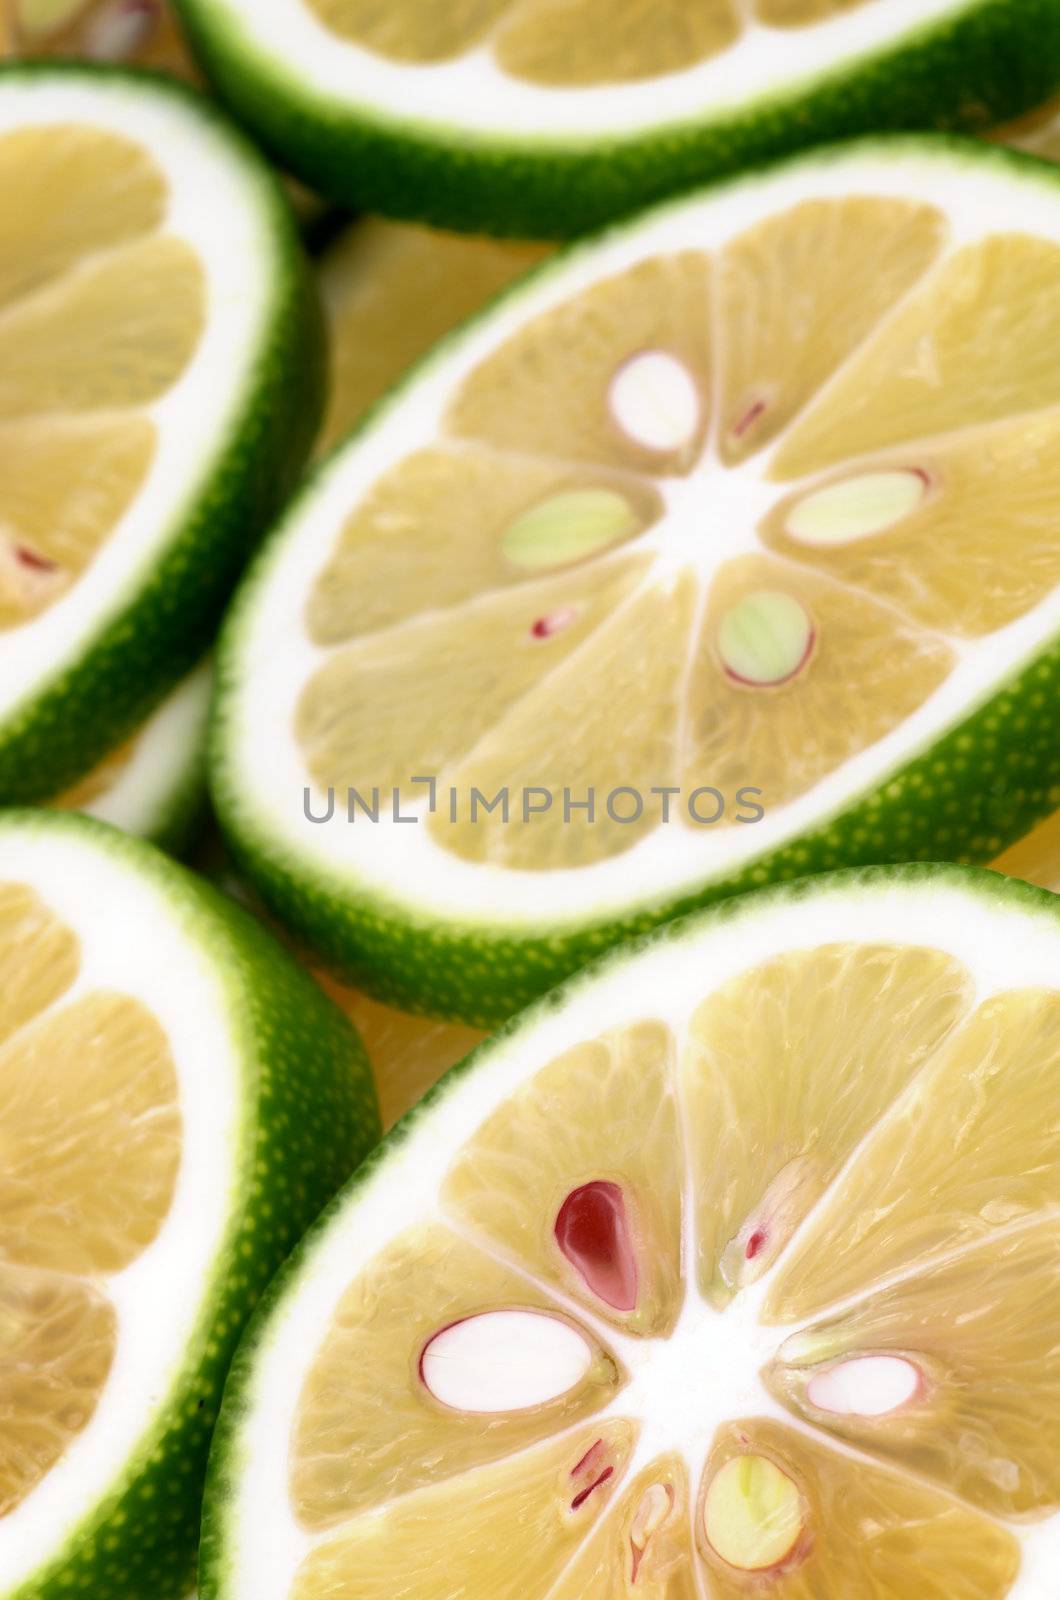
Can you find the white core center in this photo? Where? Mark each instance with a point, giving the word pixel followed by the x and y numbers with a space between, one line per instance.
pixel 505 1361
pixel 655 401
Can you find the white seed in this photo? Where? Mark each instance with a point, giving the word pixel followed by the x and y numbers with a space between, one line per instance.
pixel 504 1361
pixel 765 638
pixel 856 508
pixel 867 1386
pixel 655 401
pixel 567 527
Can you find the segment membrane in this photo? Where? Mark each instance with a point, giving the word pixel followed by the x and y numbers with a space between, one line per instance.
pixel 411 30
pixel 65 485
pixel 39 957
pixel 57 1342
pixel 866 674
pixel 90 1136
pixel 504 1532
pixel 368 1431
pixel 117 334
pixel 553 43
pixel 417 698
pixel 981 1328
pixel 603 1112
pixel 431 533
pixel 868 1531
pixel 103 191
pixel 974 345
pixel 607 719
pixel 786 315
pixel 968 1149
pixel 978 551
pixel 546 391
pixel 788 1066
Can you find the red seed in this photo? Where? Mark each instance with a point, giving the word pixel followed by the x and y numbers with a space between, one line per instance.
pixel 755 1243
pixel 586 1458
pixel 545 627
pixel 36 563
pixel 749 418
pixel 593 1233
pixel 580 1499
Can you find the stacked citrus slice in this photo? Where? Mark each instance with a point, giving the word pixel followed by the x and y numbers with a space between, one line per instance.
pixel 391 290
pixel 159 386
pixel 545 117
pixel 154 785
pixel 176 1102
pixel 143 31
pixel 730 1271
pixel 705 557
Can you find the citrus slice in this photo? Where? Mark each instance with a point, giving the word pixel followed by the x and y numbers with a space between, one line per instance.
pixel 1036 857
pixel 541 118
pixel 728 1270
pixel 703 558
pixel 158 392
pixel 154 785
pixel 140 31
pixel 177 1101
pixel 390 291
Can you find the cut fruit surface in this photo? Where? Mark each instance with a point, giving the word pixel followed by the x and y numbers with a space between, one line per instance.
pixel 542 118
pixel 701 559
pixel 176 1102
pixel 390 291
pixel 158 387
pixel 729 1270
pixel 154 785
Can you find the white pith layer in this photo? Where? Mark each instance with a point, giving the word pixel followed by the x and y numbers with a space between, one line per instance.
pixel 218 206
pixel 274 659
pixel 160 1297
pixel 473 92
pixel 168 748
pixel 1001 947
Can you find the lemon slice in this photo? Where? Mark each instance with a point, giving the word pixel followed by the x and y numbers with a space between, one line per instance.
pixel 541 118
pixel 154 785
pixel 176 1102
pixel 158 392
pixel 703 527
pixel 390 291
pixel 729 1270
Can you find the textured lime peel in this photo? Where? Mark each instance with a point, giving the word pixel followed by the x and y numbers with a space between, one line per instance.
pixel 511 1338
pixel 718 567
pixel 545 120
pixel 161 385
pixel 178 1101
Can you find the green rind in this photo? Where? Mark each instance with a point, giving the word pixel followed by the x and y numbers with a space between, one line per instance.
pixel 309 1118
pixel 988 62
pixel 163 623
pixel 967 797
pixel 224 1468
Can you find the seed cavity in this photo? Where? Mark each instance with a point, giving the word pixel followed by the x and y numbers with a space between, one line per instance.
pixel 655 401
pixel 752 1514
pixel 504 1361
pixel 568 527
pixel 769 1226
pixel 754 410
pixel 652 1511
pixel 593 1233
pixel 765 639
pixel 858 507
pixel 867 1386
